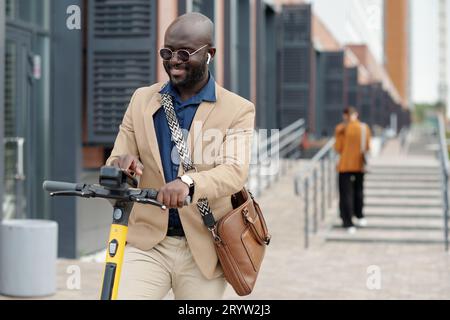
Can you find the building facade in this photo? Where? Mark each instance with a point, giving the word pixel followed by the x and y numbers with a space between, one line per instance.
pixel 397 46
pixel 69 68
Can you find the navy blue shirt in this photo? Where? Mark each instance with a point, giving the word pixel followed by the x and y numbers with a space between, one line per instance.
pixel 185 111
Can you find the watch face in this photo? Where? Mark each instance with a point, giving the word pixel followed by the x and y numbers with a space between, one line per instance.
pixel 187 180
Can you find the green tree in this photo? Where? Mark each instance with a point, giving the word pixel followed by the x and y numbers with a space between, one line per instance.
pixel 422 110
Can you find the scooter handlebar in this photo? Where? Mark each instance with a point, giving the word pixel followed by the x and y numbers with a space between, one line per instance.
pixel 59 186
pixel 55 186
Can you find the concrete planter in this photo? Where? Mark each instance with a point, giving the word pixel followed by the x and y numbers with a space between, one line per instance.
pixel 28 255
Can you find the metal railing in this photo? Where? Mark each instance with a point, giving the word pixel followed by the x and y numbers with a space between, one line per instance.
pixel 269 155
pixel 321 169
pixel 403 137
pixel 445 172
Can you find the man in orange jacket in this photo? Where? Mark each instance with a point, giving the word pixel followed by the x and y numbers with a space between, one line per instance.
pixel 352 142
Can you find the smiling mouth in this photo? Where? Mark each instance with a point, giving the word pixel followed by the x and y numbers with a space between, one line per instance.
pixel 177 72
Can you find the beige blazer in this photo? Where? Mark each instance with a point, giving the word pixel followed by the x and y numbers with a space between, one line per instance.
pixel 221 157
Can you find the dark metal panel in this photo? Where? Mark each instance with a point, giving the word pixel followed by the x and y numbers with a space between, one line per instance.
pixel 389 109
pixel 404 120
pixel 296 57
pixel 330 90
pixel 227 45
pixel 351 88
pixel 243 49
pixel 2 104
pixel 66 108
pixel 237 47
pixel 261 74
pixel 121 58
pixel 205 7
pixel 366 108
pixel 378 103
pixel 270 80
pixel 385 109
pixel 182 7
pixel 319 83
pixel 266 66
pixel 398 112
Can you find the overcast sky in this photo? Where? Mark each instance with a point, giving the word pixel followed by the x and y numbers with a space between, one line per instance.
pixel 353 21
pixel 424 49
pixel 424 38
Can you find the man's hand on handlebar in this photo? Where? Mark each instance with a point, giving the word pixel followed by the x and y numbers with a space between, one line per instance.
pixel 129 163
pixel 173 194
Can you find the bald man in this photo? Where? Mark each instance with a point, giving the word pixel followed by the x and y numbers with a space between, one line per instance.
pixel 173 249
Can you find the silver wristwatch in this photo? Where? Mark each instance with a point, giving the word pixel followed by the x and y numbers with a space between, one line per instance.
pixel 189 182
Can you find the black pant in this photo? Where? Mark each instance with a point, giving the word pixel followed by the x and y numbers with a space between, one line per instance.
pixel 351 196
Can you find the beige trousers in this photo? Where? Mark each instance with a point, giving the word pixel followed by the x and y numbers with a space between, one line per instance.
pixel 169 265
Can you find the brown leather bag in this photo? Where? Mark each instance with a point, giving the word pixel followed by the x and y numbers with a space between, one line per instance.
pixel 240 238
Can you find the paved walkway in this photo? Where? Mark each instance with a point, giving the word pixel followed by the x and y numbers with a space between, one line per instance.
pixel 327 270
pixel 342 270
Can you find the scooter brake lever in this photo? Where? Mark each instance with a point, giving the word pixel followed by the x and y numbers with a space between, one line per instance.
pixel 72 193
pixel 148 201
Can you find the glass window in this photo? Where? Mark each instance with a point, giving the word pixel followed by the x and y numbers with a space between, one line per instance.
pixel 10 5
pixel 34 12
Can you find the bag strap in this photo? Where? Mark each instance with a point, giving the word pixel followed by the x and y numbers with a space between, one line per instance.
pixel 177 134
pixel 184 153
pixel 265 237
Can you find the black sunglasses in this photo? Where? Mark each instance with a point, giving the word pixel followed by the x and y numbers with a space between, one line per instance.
pixel 183 55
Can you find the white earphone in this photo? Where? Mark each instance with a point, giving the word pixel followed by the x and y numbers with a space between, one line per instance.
pixel 209 58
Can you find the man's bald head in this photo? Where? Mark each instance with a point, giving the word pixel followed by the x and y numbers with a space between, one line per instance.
pixel 193 26
pixel 194 33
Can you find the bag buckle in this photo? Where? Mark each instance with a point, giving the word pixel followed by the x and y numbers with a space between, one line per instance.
pixel 246 216
pixel 214 234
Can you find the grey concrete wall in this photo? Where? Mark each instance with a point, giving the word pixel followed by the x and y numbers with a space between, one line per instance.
pixel 66 108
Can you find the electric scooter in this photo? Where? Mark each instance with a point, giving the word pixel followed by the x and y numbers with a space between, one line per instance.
pixel 120 188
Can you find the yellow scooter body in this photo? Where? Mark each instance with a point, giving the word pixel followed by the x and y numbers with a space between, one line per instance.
pixel 114 258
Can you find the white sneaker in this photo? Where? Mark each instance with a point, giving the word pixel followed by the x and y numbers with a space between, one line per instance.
pixel 351 230
pixel 361 222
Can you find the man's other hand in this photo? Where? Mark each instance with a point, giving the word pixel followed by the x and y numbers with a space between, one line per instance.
pixel 173 194
pixel 130 163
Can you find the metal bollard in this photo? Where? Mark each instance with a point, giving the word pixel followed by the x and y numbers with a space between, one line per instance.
pixel 446 205
pixel 322 186
pixel 330 180
pixel 315 199
pixel 306 192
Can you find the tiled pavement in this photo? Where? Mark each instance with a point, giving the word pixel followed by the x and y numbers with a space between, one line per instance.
pixel 327 270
